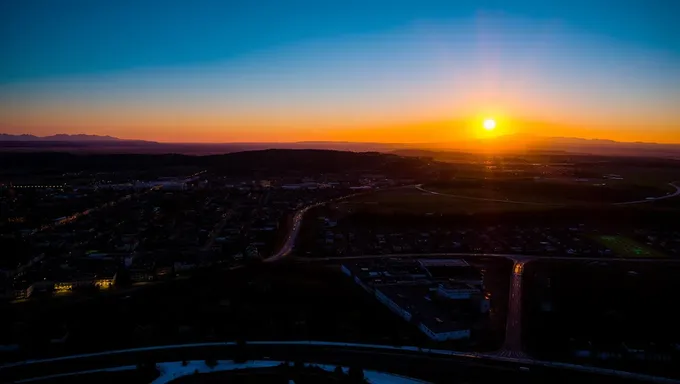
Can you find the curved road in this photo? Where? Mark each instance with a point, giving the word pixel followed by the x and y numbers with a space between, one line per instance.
pixel 673 184
pixel 385 358
pixel 674 194
pixel 288 246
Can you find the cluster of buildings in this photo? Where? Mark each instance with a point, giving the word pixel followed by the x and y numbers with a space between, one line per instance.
pixel 335 237
pixel 119 234
pixel 668 241
pixel 443 298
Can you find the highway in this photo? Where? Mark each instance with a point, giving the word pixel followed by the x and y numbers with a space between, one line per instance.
pixel 512 347
pixel 425 364
pixel 288 246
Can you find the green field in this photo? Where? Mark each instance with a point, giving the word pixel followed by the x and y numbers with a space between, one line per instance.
pixel 628 248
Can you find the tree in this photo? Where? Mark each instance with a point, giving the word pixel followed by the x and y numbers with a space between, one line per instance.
pixel 211 363
pixel 356 374
pixel 241 353
pixel 338 371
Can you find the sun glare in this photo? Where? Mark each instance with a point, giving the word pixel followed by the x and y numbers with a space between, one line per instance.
pixel 489 124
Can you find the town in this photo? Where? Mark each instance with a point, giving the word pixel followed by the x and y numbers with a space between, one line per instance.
pixel 337 246
pixel 144 232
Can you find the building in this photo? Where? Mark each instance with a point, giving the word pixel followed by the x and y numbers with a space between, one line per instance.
pixel 456 291
pixel 395 301
pixel 440 330
pixel 409 290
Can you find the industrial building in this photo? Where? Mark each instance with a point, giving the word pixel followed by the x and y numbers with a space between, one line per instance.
pixel 441 307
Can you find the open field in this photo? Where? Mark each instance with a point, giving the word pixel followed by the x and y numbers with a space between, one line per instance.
pixel 468 197
pixel 413 201
pixel 625 247
pixel 562 191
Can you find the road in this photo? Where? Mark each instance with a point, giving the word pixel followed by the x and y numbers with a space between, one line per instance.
pixel 217 230
pixel 512 347
pixel 648 200
pixel 294 230
pixel 288 246
pixel 513 257
pixel 674 194
pixel 86 212
pixel 426 364
pixel 112 203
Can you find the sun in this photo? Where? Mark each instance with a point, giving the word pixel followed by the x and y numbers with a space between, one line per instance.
pixel 489 124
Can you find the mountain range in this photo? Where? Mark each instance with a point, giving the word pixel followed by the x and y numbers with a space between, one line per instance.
pixel 57 137
pixel 503 144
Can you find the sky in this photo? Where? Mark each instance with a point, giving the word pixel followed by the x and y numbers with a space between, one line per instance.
pixel 369 70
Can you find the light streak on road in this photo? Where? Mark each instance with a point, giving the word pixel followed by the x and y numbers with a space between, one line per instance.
pixel 513 326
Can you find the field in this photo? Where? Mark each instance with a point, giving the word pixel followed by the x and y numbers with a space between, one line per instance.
pixel 481 196
pixel 413 201
pixel 574 311
pixel 625 247
pixel 557 191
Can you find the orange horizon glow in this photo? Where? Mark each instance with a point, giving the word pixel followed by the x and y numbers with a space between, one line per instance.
pixel 437 131
pixel 414 122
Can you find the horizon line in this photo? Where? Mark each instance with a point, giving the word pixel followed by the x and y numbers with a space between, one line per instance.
pixel 345 141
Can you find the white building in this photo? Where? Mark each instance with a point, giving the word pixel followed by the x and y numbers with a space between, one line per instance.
pixel 394 307
pixel 436 329
pixel 456 291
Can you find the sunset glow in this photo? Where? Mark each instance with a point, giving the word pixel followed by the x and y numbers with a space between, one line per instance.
pixel 417 74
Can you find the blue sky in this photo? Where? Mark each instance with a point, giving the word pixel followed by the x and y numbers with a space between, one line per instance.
pixel 52 38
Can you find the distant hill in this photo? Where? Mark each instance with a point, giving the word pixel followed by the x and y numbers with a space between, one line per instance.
pixel 108 144
pixel 594 146
pixel 58 137
pixel 523 143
